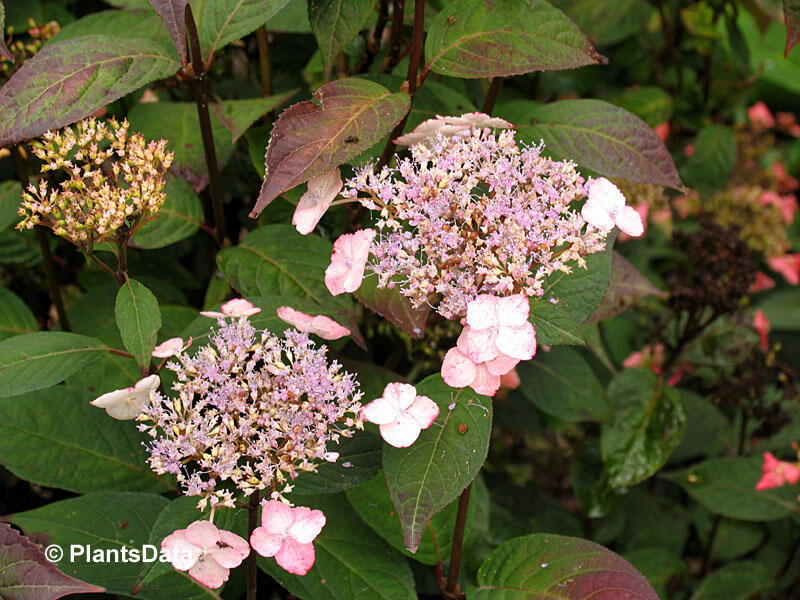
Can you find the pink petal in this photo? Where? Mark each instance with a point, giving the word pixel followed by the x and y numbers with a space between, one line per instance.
pixel 239 307
pixel 424 411
pixel 605 194
pixel 787 265
pixel 517 342
pixel 266 544
pixel 449 126
pixel 485 383
pixel 170 347
pixel 380 411
pixel 276 517
pixel 230 558
pixel 763 282
pixel 629 221
pixel 349 258
pixel 321 192
pixel 510 380
pixel 307 524
pixel 596 215
pixel 323 326
pixel 208 572
pixel 213 314
pixel 401 433
pixel 513 310
pixel 295 557
pixel 203 534
pixel 295 318
pixel 402 395
pixel 234 541
pixel 127 404
pixel 501 365
pixel 181 553
pixel 482 312
pixel 457 369
pixel 481 344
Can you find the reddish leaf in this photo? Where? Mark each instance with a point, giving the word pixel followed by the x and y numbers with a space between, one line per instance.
pixel 4 52
pixel 25 573
pixel 493 38
pixel 173 13
pixel 349 116
pixel 556 567
pixel 604 138
pixel 394 307
pixel 68 81
pixel 626 287
pixel 791 14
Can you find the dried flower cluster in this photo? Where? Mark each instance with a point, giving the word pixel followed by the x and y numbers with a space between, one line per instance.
pixel 114 180
pixel 250 409
pixel 474 213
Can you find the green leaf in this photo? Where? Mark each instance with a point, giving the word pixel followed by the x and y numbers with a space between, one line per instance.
pixel 733 538
pixel 127 23
pixel 479 38
pixel 557 567
pixel 10 199
pixel 346 117
pixel 660 566
pixel 238 115
pixel 178 219
pixel 782 309
pixel 335 23
pixel 431 473
pixel 372 503
pixel 351 561
pixel 224 21
pixel 647 425
pixel 4 51
pixel 359 459
pixel 15 317
pixel 569 299
pixel 625 288
pixel 138 319
pixel 179 124
pixel 292 18
pixel 604 138
pixel 651 104
pixel 706 429
pixel 69 80
pixel 710 166
pixel 607 21
pixel 58 423
pixel 35 361
pixel 727 487
pixel 173 13
pixel 561 383
pixel 735 581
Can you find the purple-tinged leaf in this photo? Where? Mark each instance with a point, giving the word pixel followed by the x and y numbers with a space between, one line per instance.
pixel 604 138
pixel 431 473
pixel 223 21
pixel 556 567
pixel 238 115
pixel 69 80
pixel 495 38
pixel 26 574
pixel 4 51
pixel 394 307
pixel 335 23
pixel 173 13
pixel 791 14
pixel 347 117
pixel 626 287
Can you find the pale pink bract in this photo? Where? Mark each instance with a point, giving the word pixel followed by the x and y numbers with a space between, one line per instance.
pixel 323 326
pixel 126 404
pixel 322 190
pixel 287 534
pixel 449 126
pixel 787 265
pixel 606 208
pixel 171 347
pixel 775 473
pixel 401 414
pixel 238 307
pixel 348 261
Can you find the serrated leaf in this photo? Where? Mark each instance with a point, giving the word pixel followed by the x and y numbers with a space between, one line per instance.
pixel 607 22
pixel 238 115
pixel 555 567
pixel 561 383
pixel 10 199
pixel 351 561
pixel 735 581
pixel 69 80
pixel 483 38
pixel 26 572
pixel 647 425
pixel 335 23
pixel 57 422
pixel 625 288
pixel 727 487
pixel 359 459
pixel 292 18
pixel 178 219
pixel 435 469
pixel 34 361
pixel 223 21
pixel 126 23
pixel 394 307
pixel 15 317
pixel 791 15
pixel 604 138
pixel 711 164
pixel 173 13
pixel 4 51
pixel 346 117
pixel 138 319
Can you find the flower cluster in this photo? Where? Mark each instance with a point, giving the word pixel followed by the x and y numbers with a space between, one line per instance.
pixel 776 473
pixel 250 409
pixel 115 180
pixel 474 213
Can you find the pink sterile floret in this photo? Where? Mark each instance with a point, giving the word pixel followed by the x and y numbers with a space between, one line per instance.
pixel 761 325
pixel 287 534
pixel 775 473
pixel 348 261
pixel 605 208
pixel 238 307
pixel 127 403
pixel 207 553
pixel 787 265
pixel 323 326
pixel 312 205
pixel 401 414
pixel 171 347
pixel 497 336
pixel 449 126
